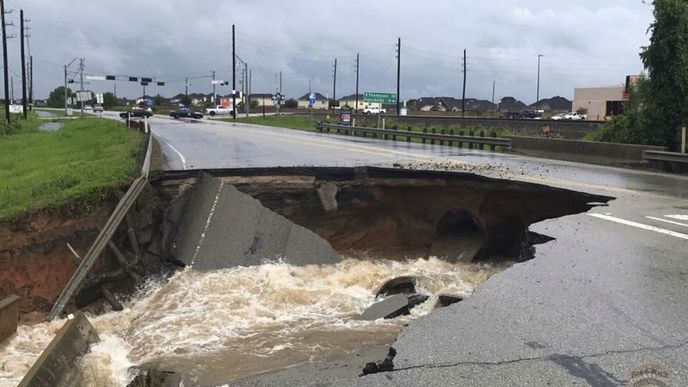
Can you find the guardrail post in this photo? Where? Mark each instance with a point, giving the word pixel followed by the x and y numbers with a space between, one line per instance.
pixel 443 133
pixel 451 132
pixel 470 143
pixel 460 142
pixel 394 136
pixel 482 146
pixel 408 137
pixel 493 147
pixel 432 141
pixel 425 131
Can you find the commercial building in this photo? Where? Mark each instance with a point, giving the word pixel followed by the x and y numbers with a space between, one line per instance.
pixel 601 103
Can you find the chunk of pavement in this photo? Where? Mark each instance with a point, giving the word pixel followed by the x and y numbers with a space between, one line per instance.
pixel 222 227
pixel 327 193
pixel 416 299
pixel 448 299
pixel 155 378
pixel 398 285
pixel 55 366
pixel 390 307
pixel 386 365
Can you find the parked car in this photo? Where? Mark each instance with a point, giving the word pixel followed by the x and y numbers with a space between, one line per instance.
pixel 185 113
pixel 137 111
pixel 220 110
pixel 559 116
pixel 532 114
pixel 88 107
pixel 374 111
pixel 513 115
pixel 573 116
pixel 97 108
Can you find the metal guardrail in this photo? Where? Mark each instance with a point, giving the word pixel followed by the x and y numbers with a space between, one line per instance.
pixel 106 233
pixel 393 134
pixel 672 157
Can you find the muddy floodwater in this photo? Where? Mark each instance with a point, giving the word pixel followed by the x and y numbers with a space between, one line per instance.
pixel 223 325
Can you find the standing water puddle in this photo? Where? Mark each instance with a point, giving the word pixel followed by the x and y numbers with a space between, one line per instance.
pixel 218 326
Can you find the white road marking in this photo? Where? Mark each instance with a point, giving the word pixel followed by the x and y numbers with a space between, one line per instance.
pixel 181 156
pixel 677 217
pixel 667 221
pixel 641 226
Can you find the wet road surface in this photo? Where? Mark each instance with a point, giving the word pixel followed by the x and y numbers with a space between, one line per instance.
pixel 606 299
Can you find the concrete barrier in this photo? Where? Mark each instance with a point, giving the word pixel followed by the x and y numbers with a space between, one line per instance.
pixel 581 151
pixel 56 365
pixel 222 227
pixel 9 316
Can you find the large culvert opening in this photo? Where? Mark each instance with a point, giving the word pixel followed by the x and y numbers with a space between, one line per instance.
pixel 260 312
pixel 459 237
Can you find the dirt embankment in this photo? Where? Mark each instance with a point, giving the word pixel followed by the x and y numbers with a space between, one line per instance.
pixel 35 260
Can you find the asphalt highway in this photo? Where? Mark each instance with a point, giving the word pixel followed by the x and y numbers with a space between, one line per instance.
pixel 601 305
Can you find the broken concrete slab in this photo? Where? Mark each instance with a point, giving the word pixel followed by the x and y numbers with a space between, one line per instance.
pixel 9 316
pixel 156 378
pixel 55 366
pixel 398 285
pixel 390 307
pixel 448 299
pixel 327 193
pixel 222 227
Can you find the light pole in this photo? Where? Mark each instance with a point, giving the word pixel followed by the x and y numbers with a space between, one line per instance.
pixel 537 98
pixel 65 83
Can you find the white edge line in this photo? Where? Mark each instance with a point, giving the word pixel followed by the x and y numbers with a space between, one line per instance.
pixel 667 221
pixel 641 226
pixel 677 217
pixel 181 156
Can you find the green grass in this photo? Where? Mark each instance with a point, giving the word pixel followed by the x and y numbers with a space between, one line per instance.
pixel 283 121
pixel 81 164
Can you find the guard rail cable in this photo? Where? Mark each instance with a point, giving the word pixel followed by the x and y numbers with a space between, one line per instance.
pixel 459 139
pixel 106 233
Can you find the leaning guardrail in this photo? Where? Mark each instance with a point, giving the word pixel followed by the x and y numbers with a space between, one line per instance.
pixel 107 231
pixel 668 161
pixel 432 136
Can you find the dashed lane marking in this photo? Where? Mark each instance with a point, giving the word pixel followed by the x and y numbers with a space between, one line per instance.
pixel 667 221
pixel 640 226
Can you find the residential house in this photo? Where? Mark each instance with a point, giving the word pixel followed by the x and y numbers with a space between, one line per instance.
pixel 320 102
pixel 511 104
pixel 264 99
pixel 555 105
pixel 351 101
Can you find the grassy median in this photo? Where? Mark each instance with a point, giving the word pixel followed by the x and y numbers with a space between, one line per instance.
pixel 81 164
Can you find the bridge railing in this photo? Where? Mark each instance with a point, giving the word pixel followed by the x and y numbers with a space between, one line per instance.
pixel 431 136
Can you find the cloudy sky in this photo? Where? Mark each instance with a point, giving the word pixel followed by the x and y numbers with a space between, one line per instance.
pixel 583 43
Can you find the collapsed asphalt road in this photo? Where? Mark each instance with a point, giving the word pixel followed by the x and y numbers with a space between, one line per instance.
pixel 601 304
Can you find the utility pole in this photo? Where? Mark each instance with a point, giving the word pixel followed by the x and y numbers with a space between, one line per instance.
pixel 214 93
pixel 4 61
pixel 81 81
pixel 280 82
pixel 246 92
pixel 494 86
pixel 12 90
pixel 463 92
pixel 31 80
pixel 115 91
pixel 358 60
pixel 234 73
pixel 398 77
pixel 537 98
pixel 23 63
pixel 250 80
pixel 334 85
pixel 186 92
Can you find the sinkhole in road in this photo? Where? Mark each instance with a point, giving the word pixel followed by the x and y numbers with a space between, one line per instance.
pixel 335 234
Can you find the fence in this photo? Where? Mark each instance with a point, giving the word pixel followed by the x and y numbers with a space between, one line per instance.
pixel 444 137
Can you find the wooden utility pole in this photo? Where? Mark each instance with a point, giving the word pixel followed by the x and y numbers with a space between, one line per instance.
pixel 398 77
pixel 463 93
pixel 4 61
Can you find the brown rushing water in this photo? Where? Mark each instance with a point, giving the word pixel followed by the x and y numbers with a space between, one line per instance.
pixel 227 324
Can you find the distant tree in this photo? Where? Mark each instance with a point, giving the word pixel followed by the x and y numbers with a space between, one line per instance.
pixel 254 104
pixel 109 100
pixel 582 110
pixel 158 100
pixel 291 103
pixel 56 98
pixel 666 62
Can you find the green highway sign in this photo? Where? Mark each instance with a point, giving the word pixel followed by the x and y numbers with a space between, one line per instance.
pixel 379 97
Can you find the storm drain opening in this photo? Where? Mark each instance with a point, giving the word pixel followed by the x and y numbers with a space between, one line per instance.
pixel 302 266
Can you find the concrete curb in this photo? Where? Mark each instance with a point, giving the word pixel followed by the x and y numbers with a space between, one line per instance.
pixel 55 366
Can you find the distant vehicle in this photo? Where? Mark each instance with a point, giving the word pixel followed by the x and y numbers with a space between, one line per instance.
pixel 532 114
pixel 220 110
pixel 374 111
pixel 559 116
pixel 573 116
pixel 97 108
pixel 185 113
pixel 513 115
pixel 88 107
pixel 137 111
